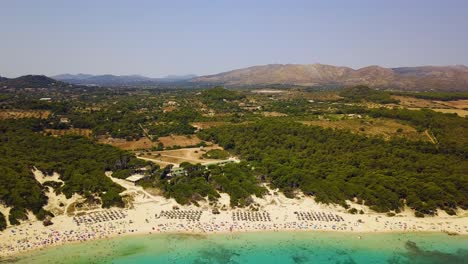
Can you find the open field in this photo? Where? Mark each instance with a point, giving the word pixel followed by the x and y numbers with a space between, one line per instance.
pixel 146 143
pixel 142 143
pixel 177 156
pixel 71 131
pixel 182 141
pixel 374 127
pixel 459 104
pixel 17 114
pixel 460 112
pixel 412 102
pixel 170 108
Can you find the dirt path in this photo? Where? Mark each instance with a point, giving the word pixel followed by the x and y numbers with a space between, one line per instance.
pixel 187 159
pixel 431 137
pixel 145 132
pixel 72 200
pixel 131 188
pixel 155 160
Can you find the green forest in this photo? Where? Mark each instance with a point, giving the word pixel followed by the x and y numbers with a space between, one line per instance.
pixel 331 165
pixel 81 164
pixel 362 92
pixel 335 166
pixel 220 99
pixel 448 129
pixel 236 179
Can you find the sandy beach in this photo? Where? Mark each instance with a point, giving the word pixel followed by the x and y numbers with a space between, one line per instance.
pixel 150 214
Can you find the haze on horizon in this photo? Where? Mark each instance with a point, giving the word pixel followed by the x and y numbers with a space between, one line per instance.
pixel 158 38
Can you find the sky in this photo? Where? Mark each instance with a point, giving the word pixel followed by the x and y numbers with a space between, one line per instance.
pixel 157 38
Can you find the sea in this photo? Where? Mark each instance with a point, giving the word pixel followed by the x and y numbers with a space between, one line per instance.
pixel 261 247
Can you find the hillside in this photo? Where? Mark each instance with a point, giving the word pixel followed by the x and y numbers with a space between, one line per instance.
pixel 31 81
pixel 448 78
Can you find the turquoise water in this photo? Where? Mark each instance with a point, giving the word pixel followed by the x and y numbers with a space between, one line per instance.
pixel 281 247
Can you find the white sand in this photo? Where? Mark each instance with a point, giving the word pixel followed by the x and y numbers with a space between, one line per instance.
pixel 41 177
pixel 141 219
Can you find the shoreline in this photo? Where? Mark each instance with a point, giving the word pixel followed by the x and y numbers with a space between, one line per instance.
pixel 154 215
pixel 32 235
pixel 359 235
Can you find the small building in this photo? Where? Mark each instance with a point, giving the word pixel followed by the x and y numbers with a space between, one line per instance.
pixel 45 99
pixel 353 116
pixel 64 120
pixel 177 171
pixel 171 103
pixel 135 178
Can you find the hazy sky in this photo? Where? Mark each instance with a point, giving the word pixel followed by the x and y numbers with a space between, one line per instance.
pixel 156 38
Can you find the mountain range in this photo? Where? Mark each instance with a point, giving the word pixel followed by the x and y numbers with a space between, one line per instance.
pixel 31 81
pixel 423 78
pixel 446 78
pixel 118 80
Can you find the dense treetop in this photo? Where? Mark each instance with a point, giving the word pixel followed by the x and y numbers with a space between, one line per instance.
pixel 80 163
pixel 336 166
pixel 332 165
pixel 362 92
pixel 220 99
pixel 239 180
pixel 449 129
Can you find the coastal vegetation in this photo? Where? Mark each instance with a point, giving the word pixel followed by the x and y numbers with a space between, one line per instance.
pixel 398 157
pixel 335 166
pixel 81 164
pixel 238 180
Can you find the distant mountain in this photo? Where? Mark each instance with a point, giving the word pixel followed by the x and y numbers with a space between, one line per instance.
pixel 446 78
pixel 101 80
pixel 79 76
pixel 180 77
pixel 423 78
pixel 31 81
pixel 119 80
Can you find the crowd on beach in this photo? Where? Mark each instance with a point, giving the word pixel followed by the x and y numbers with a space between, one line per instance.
pixel 109 223
pixel 31 239
pixel 152 214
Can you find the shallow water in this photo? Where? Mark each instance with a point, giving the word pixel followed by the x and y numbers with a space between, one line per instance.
pixel 274 247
